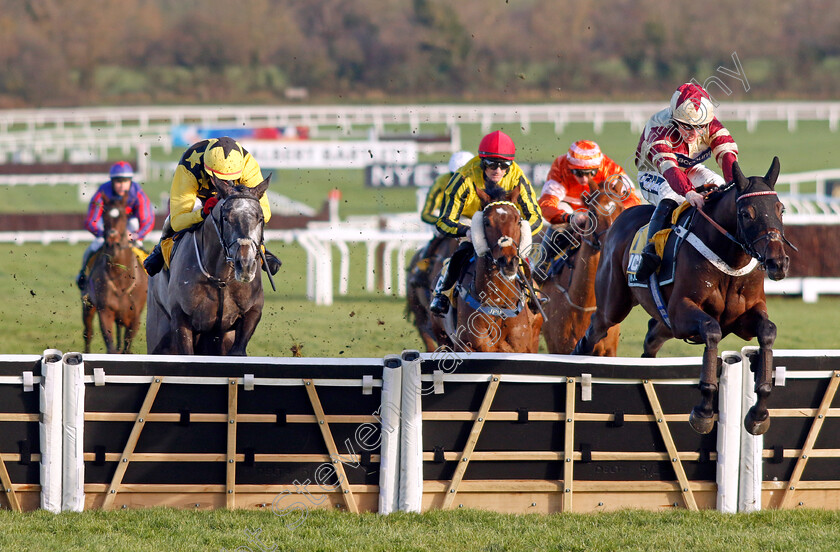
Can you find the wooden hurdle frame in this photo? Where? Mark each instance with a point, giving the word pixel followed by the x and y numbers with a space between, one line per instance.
pixel 809 375
pixel 339 493
pixel 567 494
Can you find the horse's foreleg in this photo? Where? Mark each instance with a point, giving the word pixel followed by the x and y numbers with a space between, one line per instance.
pixel 757 420
pixel 130 332
pixel 88 313
pixel 246 327
pixel 182 333
pixel 107 320
pixel 655 338
pixel 699 323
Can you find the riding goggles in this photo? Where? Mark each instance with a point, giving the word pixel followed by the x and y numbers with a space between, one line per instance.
pixel 686 126
pixel 584 172
pixel 494 164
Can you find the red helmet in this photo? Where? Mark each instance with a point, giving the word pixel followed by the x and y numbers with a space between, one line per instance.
pixel 497 144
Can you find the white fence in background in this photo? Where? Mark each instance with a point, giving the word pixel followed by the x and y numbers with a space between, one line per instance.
pixel 154 118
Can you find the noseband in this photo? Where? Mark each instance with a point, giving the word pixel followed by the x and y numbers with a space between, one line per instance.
pixel 504 241
pixel 220 227
pixel 772 234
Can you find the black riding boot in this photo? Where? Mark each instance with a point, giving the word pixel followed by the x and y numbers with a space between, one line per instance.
pixel 660 219
pixel 154 262
pixel 440 303
pixel 272 263
pixel 81 278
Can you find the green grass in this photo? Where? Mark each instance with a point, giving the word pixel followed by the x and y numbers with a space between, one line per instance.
pixel 467 530
pixel 41 309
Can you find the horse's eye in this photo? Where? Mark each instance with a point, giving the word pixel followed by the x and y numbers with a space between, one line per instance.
pixel 748 212
pixel 780 209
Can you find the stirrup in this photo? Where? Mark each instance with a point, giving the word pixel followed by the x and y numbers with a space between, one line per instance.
pixel 81 281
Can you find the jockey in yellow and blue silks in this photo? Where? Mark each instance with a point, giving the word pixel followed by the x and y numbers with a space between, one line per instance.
pixel 192 194
pixel 494 164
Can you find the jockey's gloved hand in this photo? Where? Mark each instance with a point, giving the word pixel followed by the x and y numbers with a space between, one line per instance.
pixel 695 199
pixel 579 220
pixel 208 205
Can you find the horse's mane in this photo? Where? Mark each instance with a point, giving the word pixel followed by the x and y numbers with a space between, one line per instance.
pixel 496 193
pixel 719 192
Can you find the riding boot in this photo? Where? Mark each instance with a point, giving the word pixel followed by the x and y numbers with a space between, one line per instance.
pixel 272 263
pixel 81 278
pixel 440 303
pixel 154 262
pixel 659 220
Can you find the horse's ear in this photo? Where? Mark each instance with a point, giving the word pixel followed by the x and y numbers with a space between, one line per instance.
pixel 222 186
pixel 773 173
pixel 513 195
pixel 483 196
pixel 740 180
pixel 260 188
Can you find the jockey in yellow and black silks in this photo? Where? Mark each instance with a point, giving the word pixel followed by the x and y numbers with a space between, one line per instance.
pixel 494 164
pixel 192 194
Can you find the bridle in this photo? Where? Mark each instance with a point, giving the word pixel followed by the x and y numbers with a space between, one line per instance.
pixel 228 245
pixel 749 246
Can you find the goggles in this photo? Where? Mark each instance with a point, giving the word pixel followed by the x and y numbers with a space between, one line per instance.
pixel 494 164
pixel 584 172
pixel 686 126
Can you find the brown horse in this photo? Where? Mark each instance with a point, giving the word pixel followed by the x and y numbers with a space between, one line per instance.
pixel 493 314
pixel 571 291
pixel 708 299
pixel 211 298
pixel 419 284
pixel 117 284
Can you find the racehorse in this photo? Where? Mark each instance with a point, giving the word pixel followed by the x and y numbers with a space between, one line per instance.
pixel 419 284
pixel 571 291
pixel 117 284
pixel 493 314
pixel 211 298
pixel 709 299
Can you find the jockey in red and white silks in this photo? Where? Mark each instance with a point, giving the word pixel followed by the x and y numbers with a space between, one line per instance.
pixel 673 146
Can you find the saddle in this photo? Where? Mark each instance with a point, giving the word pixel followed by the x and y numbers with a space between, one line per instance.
pixel 139 253
pixel 667 243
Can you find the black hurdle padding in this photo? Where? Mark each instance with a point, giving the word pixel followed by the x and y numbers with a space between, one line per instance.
pixel 365 458
pixel 614 402
pixel 99 455
pixel 704 455
pixel 14 400
pixel 25 451
pixel 522 415
pixel 185 417
pixel 585 453
pixel 438 455
pixel 778 454
pixel 275 437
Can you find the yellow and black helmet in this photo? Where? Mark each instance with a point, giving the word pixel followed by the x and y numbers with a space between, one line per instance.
pixel 224 158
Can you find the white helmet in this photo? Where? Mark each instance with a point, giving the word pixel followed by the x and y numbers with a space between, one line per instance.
pixel 692 105
pixel 459 159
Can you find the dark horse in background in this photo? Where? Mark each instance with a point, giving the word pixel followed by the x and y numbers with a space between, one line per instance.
pixel 419 284
pixel 706 302
pixel 211 299
pixel 571 291
pixel 117 284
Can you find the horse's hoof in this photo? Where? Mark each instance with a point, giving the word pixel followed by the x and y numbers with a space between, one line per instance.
pixel 699 423
pixel 755 426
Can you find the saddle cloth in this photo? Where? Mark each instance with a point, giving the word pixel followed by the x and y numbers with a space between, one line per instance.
pixel 139 253
pixel 667 244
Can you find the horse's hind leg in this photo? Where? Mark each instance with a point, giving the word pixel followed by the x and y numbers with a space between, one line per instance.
pixel 757 420
pixel 612 309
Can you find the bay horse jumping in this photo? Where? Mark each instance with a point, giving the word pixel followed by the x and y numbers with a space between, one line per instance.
pixel 211 298
pixel 709 299
pixel 493 312
pixel 419 284
pixel 571 291
pixel 116 287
